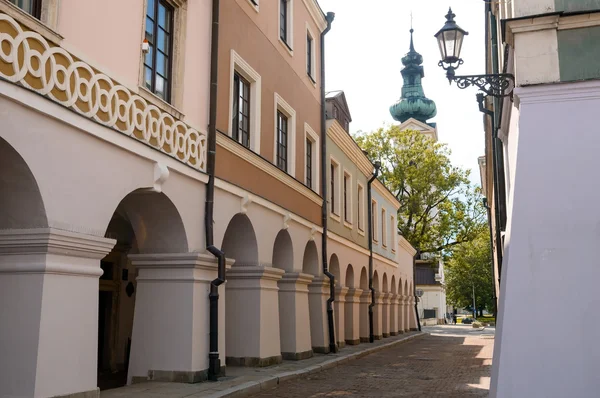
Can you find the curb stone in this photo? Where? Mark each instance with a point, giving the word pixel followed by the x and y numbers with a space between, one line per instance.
pixel 269 382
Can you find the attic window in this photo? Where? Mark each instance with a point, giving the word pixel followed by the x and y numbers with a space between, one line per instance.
pixel 335 111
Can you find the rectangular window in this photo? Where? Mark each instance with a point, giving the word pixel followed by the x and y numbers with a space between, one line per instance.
pixel 393 232
pixel 282 141
pixel 157 62
pixel 383 228
pixel 346 198
pixel 359 205
pixel 32 7
pixel 332 189
pixel 309 160
pixel 241 110
pixel 283 20
pixel 309 55
pixel 374 220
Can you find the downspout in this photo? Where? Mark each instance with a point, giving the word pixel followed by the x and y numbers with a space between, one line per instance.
pixel 485 111
pixel 377 165
pixel 332 346
pixel 489 215
pixel 417 255
pixel 214 363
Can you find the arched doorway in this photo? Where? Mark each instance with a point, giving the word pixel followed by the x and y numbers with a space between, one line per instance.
pixel 143 222
pixel 318 292
pixel 252 302
pixel 338 304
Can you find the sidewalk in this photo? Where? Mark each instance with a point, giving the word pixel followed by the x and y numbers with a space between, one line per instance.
pixel 241 381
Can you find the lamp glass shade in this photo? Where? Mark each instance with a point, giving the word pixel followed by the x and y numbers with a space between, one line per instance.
pixel 450 39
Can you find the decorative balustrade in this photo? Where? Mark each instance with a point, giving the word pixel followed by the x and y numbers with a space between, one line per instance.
pixel 28 59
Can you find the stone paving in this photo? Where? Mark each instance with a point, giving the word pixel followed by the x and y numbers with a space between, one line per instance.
pixel 452 361
pixel 242 381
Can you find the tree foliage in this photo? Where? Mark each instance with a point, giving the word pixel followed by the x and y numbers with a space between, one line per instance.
pixel 468 268
pixel 439 209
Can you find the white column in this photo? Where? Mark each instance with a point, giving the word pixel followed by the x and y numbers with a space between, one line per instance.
pixel 352 316
pixel 365 300
pixel 49 312
pixel 407 312
pixel 294 320
pixel 318 293
pixel 393 314
pixel 170 337
pixel 401 314
pixel 378 316
pixel 551 244
pixel 338 312
pixel 253 316
pixel 385 309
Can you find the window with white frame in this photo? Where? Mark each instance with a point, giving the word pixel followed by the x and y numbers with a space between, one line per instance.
pixel 32 7
pixel 393 231
pixel 158 60
pixel 244 111
pixel 347 197
pixel 311 158
pixel 334 190
pixel 374 215
pixel 383 227
pixel 310 55
pixel 360 200
pixel 284 153
pixel 285 23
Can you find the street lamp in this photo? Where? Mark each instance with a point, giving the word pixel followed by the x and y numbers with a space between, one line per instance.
pixel 450 39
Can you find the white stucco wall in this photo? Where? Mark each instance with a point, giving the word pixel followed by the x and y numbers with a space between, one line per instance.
pixel 552 235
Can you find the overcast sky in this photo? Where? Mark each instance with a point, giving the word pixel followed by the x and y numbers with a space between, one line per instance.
pixel 363 51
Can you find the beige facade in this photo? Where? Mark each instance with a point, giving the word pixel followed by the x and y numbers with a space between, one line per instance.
pixel 104 265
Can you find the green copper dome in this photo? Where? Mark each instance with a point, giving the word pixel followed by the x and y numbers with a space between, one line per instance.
pixel 413 102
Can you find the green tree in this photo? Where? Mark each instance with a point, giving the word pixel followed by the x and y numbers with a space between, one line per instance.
pixel 468 269
pixel 439 209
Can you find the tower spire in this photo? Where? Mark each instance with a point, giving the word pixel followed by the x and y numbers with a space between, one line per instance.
pixel 413 103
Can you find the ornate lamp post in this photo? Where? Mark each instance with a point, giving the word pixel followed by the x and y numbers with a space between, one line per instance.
pixel 450 39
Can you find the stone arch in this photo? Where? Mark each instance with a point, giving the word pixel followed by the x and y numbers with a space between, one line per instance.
pixel 385 287
pixel 153 219
pixel 393 285
pixel 21 204
pixel 334 268
pixel 283 251
pixel 406 288
pixel 143 222
pixel 310 260
pixel 364 279
pixel 350 276
pixel 400 289
pixel 376 282
pixel 239 242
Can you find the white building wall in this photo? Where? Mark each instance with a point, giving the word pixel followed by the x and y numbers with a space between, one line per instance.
pixel 552 235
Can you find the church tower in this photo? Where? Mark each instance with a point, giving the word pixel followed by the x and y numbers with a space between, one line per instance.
pixel 413 109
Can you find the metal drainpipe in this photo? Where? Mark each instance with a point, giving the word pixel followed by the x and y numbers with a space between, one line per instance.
pixel 417 254
pixel 214 363
pixel 332 345
pixel 377 165
pixel 498 157
pixel 484 110
pixel 495 297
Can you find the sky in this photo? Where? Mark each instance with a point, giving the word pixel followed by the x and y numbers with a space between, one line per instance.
pixel 363 52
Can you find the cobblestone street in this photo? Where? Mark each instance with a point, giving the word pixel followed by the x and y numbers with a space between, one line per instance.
pixel 453 361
